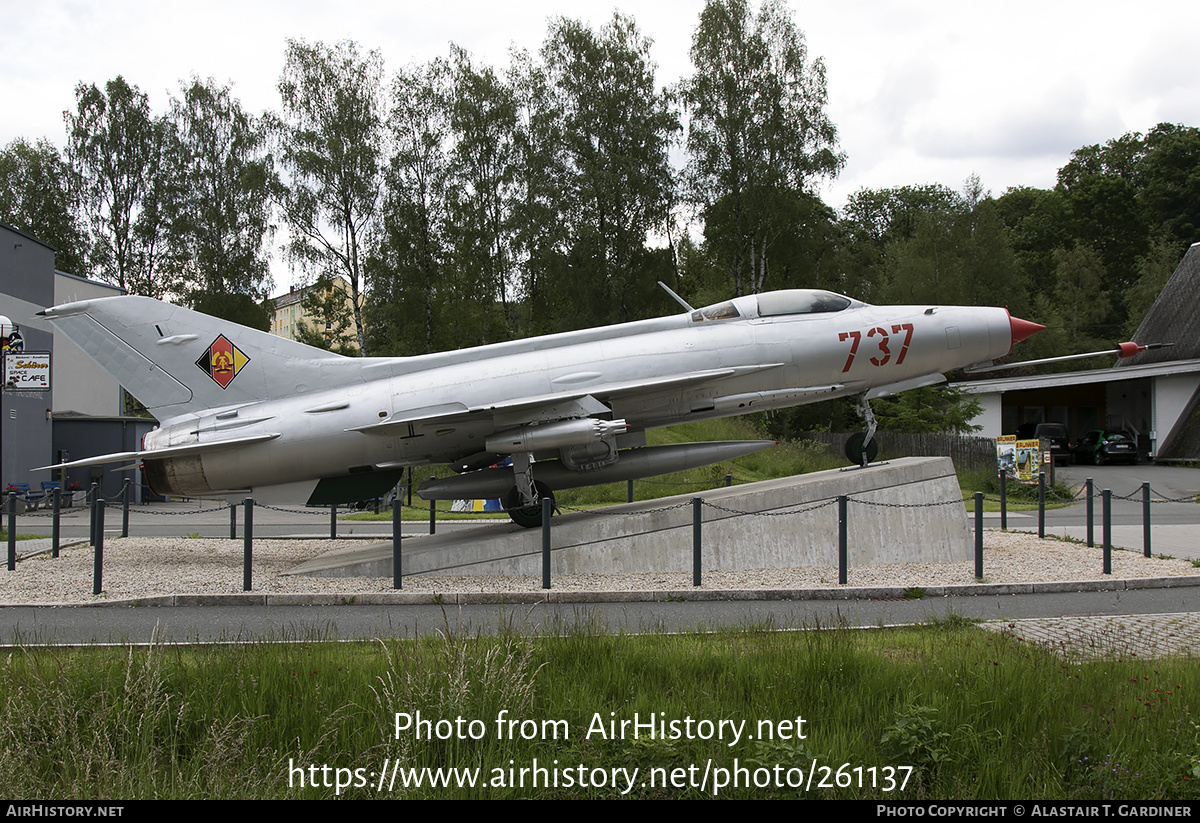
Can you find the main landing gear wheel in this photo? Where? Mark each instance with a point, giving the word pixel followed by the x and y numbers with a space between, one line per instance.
pixel 527 517
pixel 860 451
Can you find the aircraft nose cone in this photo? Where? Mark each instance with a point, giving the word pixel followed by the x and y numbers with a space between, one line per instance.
pixel 1023 329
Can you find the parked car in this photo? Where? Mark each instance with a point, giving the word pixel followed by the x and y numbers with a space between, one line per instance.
pixel 1056 433
pixel 1102 446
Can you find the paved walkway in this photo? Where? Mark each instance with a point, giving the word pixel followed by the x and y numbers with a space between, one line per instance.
pixel 1122 636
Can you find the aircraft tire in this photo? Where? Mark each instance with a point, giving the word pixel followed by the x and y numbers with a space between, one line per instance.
pixel 855 450
pixel 527 517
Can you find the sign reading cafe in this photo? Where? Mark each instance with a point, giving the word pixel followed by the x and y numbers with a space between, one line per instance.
pixel 27 371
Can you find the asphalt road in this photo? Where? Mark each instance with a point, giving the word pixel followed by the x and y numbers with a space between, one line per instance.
pixel 216 624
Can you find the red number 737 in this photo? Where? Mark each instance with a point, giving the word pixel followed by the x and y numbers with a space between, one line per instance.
pixel 882 343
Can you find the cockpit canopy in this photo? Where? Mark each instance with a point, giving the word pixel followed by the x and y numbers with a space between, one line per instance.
pixel 777 303
pixel 801 301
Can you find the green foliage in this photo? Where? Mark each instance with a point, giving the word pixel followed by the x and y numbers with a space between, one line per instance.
pixel 916 737
pixel 616 127
pixel 331 140
pixel 238 308
pixel 37 198
pixel 220 209
pixel 758 137
pixel 120 158
pixel 928 409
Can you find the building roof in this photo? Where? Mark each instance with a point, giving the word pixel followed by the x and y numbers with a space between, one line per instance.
pixel 1075 378
pixel 1174 317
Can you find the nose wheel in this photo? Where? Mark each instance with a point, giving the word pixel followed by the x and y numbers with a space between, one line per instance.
pixel 862 448
pixel 859 450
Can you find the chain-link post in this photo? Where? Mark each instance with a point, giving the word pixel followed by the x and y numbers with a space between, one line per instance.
pixel 333 522
pixel 56 523
pixel 546 503
pixel 125 489
pixel 1042 505
pixel 432 514
pixel 247 543
pixel 1106 516
pixel 1146 520
pixel 1091 512
pixel 11 509
pixel 1004 500
pixel 397 582
pixel 92 496
pixel 843 553
pixel 728 480
pixel 233 521
pixel 98 554
pixel 697 519
pixel 978 535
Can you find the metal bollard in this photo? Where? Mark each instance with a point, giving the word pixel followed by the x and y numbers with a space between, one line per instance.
pixel 233 521
pixel 628 491
pixel 93 495
pixel 125 489
pixel 248 543
pixel 1004 500
pixel 56 524
pixel 1106 519
pixel 843 553
pixel 546 503
pixel 1091 512
pixel 11 509
pixel 98 554
pixel 697 519
pixel 397 581
pixel 333 522
pixel 1146 520
pixel 978 535
pixel 1042 504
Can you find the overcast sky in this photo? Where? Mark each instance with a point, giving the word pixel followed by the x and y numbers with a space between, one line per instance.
pixel 921 92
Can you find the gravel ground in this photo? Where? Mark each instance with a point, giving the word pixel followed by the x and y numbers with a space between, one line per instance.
pixel 142 567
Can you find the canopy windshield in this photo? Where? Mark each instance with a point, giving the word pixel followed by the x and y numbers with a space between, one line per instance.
pixel 801 301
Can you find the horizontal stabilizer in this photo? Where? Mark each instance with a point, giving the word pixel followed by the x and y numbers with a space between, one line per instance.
pixel 170 451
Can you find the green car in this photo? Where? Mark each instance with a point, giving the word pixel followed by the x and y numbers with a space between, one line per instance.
pixel 1102 446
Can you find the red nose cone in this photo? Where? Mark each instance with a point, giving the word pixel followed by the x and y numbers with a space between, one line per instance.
pixel 1023 329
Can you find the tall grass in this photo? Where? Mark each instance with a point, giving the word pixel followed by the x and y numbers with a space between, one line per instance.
pixel 976 715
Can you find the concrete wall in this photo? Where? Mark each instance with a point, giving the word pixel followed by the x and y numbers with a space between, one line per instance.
pixel 906 511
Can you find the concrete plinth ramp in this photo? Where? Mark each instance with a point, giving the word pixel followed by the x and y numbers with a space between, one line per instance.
pixel 908 510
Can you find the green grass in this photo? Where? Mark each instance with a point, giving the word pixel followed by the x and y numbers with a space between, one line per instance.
pixel 977 715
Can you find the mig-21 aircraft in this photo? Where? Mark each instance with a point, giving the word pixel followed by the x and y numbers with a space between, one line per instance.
pixel 244 413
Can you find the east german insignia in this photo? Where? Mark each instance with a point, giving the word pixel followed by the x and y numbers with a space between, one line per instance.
pixel 222 361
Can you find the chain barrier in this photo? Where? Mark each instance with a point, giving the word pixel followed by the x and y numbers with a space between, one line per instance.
pixel 814 507
pixel 320 512
pixel 618 514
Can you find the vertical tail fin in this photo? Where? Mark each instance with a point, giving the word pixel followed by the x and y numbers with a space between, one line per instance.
pixel 176 361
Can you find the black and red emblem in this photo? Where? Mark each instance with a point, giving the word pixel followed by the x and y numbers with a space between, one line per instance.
pixel 222 361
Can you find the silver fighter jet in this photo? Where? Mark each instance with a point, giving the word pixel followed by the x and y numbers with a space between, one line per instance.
pixel 246 413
